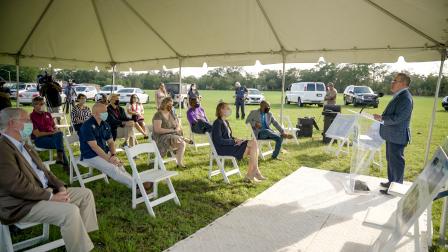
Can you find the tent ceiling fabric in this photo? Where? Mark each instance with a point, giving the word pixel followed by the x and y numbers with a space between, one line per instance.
pixel 149 34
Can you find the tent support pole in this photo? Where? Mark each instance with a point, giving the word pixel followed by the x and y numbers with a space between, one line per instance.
pixel 17 78
pixel 180 88
pixel 113 77
pixel 282 102
pixel 428 146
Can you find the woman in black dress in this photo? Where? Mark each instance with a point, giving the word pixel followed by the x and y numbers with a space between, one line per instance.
pixel 226 145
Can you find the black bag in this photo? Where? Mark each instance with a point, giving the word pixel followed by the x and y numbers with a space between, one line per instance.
pixel 305 126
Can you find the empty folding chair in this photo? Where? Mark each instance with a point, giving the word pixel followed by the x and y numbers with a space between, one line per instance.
pixel 7 245
pixel 261 143
pixel 220 161
pixel 155 175
pixel 290 129
pixel 75 162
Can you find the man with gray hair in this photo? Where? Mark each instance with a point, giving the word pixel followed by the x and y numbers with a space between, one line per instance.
pixel 240 97
pixel 31 193
pixel 395 128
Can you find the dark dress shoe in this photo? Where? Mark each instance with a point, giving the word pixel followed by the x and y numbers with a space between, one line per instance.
pixel 385 185
pixel 384 192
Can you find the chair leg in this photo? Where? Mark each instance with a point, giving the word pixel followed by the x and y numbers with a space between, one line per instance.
pixel 5 238
pixel 46 231
pixel 223 171
pixel 235 166
pixel 134 194
pixel 171 188
pixel 79 175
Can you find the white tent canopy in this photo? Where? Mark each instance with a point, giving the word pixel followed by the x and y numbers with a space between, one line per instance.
pixel 149 34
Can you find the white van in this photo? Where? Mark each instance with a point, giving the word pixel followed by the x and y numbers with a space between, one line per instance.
pixel 306 93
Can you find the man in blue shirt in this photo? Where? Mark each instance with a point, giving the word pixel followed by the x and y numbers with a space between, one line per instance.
pixel 260 121
pixel 240 97
pixel 98 148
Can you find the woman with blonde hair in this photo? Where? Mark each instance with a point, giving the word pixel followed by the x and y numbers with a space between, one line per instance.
pixel 167 131
pixel 161 93
pixel 226 145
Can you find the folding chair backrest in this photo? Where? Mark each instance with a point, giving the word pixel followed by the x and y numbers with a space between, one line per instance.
pixel 212 146
pixel 69 140
pixel 252 133
pixel 144 148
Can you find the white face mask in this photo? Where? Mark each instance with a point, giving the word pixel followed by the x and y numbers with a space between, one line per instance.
pixel 227 112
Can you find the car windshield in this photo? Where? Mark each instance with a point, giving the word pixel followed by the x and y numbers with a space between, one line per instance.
pixel 362 90
pixel 125 90
pixel 80 89
pixel 254 91
pixel 22 86
pixel 32 90
pixel 109 88
pixel 172 88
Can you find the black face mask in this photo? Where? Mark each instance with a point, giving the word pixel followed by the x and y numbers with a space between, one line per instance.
pixel 117 102
pixel 266 110
pixel 169 108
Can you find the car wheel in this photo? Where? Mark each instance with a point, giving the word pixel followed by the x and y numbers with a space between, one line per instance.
pixel 375 106
pixel 320 105
pixel 355 103
pixel 299 102
pixel 446 108
pixel 287 101
pixel 345 101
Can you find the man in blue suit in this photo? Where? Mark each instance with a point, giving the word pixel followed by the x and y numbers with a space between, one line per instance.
pixel 395 128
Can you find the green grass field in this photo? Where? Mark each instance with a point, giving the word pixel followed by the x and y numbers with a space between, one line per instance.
pixel 125 229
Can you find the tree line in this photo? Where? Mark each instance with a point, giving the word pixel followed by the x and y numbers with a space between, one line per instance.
pixel 377 76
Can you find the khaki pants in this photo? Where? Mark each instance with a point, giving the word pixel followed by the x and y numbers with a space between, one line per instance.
pixel 75 219
pixel 126 132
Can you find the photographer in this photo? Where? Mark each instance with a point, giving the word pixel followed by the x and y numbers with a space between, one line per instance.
pixel 51 90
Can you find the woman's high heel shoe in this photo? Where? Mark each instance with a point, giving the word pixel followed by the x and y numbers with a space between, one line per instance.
pixel 260 177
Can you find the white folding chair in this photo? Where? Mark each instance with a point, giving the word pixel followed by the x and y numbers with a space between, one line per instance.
pixel 196 137
pixel 8 246
pixel 75 162
pixel 63 123
pixel 220 161
pixel 261 143
pixel 290 129
pixel 50 160
pixel 154 175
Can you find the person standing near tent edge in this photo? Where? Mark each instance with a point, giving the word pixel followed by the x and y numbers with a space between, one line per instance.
pixel 240 97
pixel 395 128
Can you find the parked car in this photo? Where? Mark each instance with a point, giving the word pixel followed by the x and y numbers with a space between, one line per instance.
pixel 306 93
pixel 125 95
pixel 178 97
pixel 254 96
pixel 360 96
pixel 445 103
pixel 89 91
pixel 22 88
pixel 107 90
pixel 26 97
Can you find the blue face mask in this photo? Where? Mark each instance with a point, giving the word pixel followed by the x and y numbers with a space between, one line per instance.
pixel 104 116
pixel 27 130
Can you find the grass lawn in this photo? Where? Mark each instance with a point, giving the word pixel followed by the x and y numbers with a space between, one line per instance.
pixel 202 200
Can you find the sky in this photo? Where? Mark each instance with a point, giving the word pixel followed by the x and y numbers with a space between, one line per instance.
pixel 423 68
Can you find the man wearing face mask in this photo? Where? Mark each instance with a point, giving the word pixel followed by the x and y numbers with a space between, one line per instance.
pixel 80 112
pixel 197 118
pixel 98 147
pixel 29 193
pixel 45 133
pixel 260 121
pixel 119 123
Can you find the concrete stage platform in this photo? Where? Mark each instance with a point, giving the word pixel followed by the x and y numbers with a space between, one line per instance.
pixel 306 211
